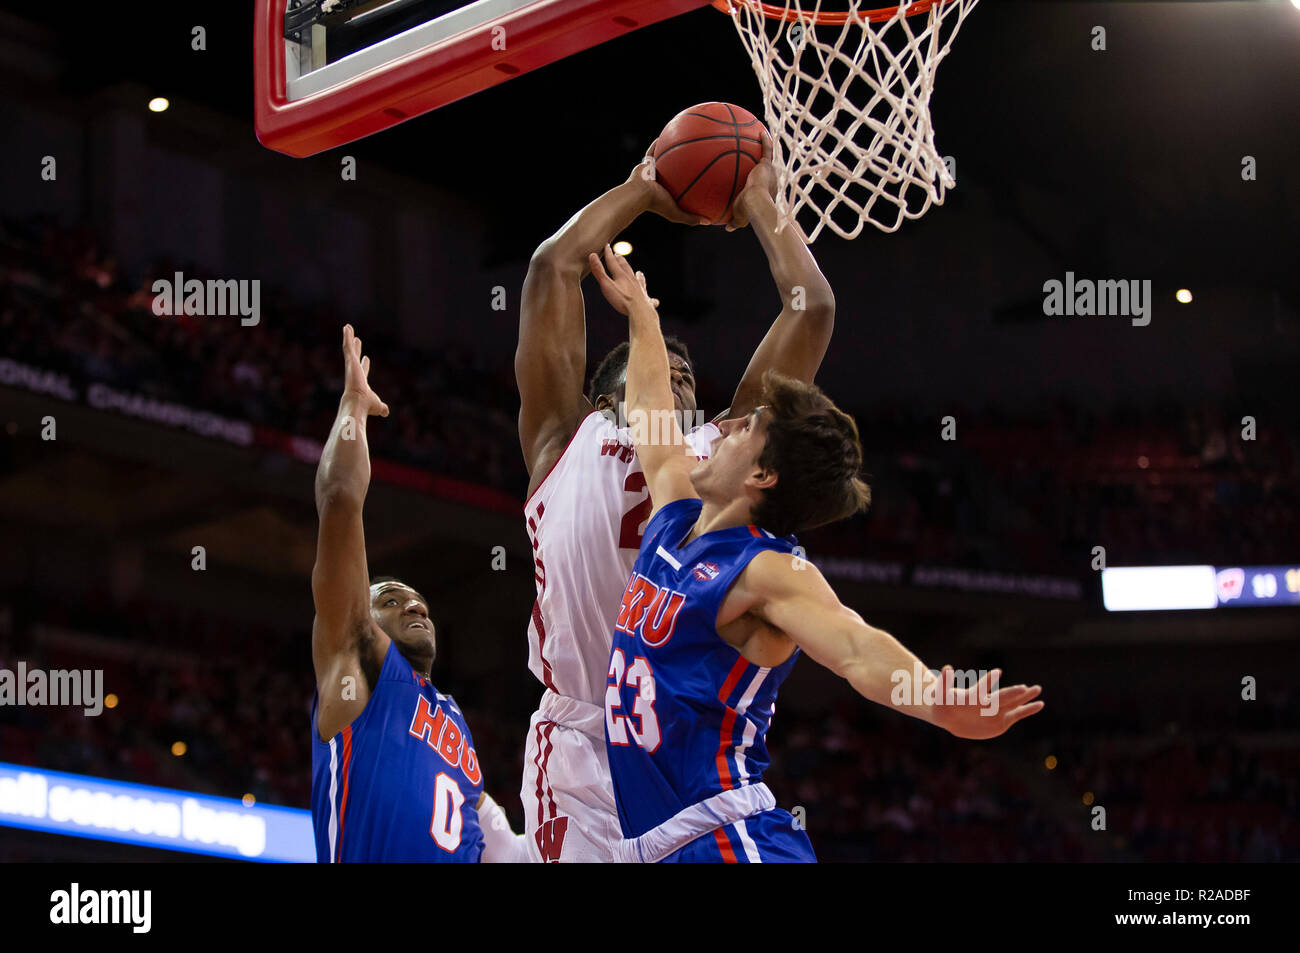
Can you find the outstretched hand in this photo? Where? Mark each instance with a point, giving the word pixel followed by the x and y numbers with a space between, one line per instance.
pixel 979 712
pixel 356 374
pixel 621 286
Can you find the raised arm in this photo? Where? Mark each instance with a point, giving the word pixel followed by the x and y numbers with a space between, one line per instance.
pixel 551 360
pixel 340 579
pixel 797 340
pixel 660 446
pixel 791 595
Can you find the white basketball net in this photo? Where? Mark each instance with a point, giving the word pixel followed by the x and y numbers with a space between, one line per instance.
pixel 848 107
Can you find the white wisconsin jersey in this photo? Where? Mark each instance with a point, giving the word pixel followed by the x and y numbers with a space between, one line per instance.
pixel 585 521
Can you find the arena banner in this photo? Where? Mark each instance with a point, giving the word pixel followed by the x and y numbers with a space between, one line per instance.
pixel 101 396
pixel 949 577
pixel 82 806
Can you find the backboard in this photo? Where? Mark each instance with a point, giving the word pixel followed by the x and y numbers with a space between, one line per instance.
pixel 328 72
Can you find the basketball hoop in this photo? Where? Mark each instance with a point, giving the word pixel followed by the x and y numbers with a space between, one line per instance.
pixel 846 96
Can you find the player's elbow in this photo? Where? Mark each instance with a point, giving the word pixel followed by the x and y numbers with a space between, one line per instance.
pixel 850 668
pixel 551 261
pixel 338 497
pixel 819 305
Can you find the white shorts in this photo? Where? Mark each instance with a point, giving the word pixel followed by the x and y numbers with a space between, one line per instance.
pixel 569 810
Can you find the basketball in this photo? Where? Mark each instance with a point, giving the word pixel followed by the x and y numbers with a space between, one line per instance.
pixel 704 155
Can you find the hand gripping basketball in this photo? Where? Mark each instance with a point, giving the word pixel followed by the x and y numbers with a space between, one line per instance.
pixel 760 186
pixel 657 198
pixel 704 156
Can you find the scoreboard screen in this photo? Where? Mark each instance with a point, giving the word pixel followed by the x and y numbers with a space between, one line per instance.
pixel 1139 588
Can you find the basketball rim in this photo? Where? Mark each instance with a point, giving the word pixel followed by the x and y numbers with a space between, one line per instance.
pixel 826 17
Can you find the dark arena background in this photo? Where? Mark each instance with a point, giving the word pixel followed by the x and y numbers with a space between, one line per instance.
pixel 156 472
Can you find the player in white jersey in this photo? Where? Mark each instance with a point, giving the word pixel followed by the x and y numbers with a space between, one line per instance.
pixel 587 500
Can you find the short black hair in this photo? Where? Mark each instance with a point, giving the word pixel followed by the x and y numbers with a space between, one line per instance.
pixel 614 365
pixel 376 580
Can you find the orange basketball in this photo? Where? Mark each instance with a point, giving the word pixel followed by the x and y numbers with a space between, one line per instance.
pixel 704 155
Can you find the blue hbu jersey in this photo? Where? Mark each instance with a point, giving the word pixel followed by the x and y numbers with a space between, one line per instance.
pixel 402 782
pixel 686 715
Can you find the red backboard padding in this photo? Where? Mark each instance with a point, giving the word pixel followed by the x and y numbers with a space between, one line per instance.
pixel 538 34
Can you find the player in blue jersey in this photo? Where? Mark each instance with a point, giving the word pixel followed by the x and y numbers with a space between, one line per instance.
pixel 394 773
pixel 719 605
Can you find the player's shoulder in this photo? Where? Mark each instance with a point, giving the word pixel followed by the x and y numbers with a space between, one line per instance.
pixel 449 704
pixel 599 432
pixel 777 571
pixel 448 701
pixel 600 423
pixel 594 432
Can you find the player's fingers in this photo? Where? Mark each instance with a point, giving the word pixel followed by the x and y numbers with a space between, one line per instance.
pixel 1016 695
pixel 365 365
pixel 597 269
pixel 1021 713
pixel 1006 700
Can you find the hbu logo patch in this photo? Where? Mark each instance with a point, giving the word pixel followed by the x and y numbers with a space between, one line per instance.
pixel 705 571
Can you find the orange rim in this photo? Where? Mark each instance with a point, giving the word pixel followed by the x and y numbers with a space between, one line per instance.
pixel 774 12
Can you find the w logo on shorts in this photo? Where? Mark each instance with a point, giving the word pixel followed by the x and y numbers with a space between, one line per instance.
pixel 550 839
